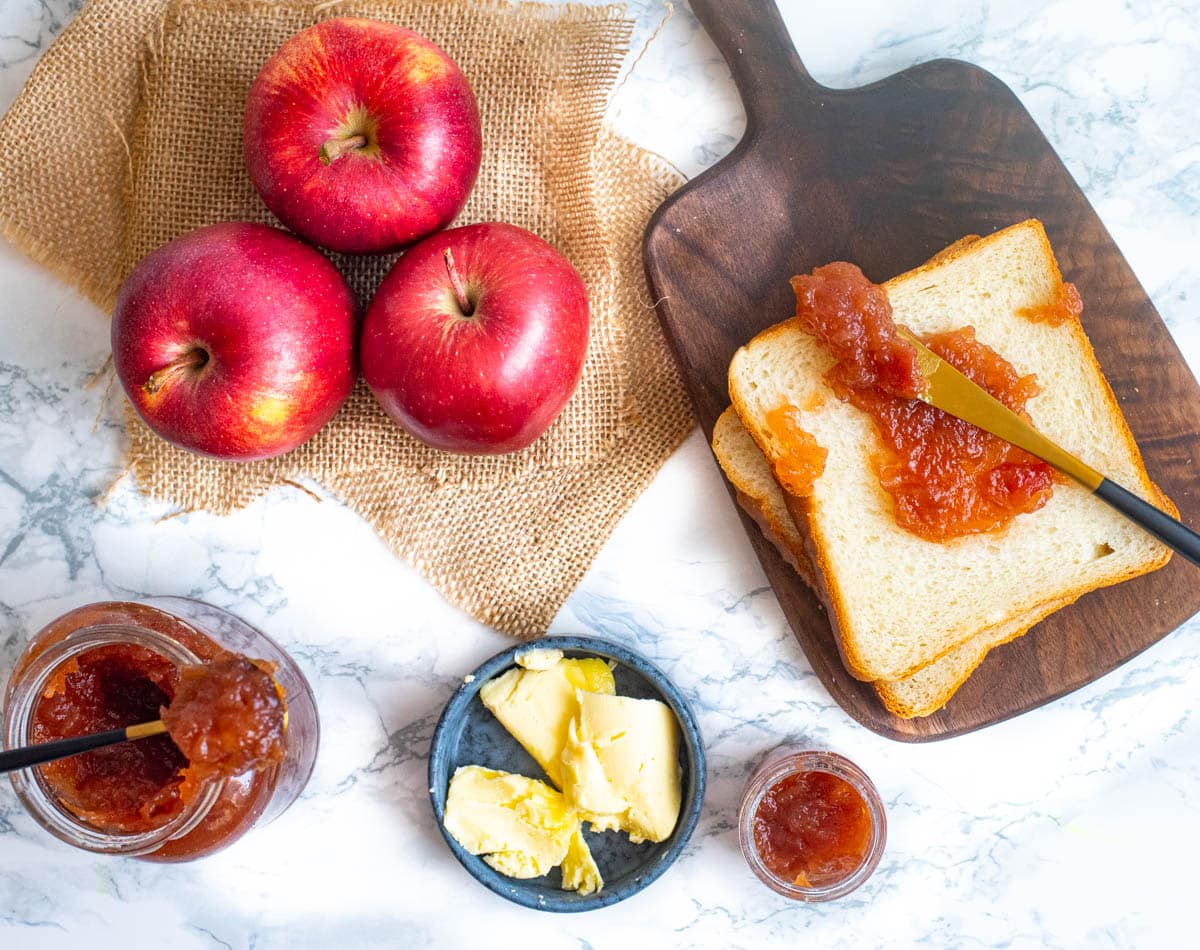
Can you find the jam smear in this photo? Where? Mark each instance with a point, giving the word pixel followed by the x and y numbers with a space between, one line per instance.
pixel 947 478
pixel 224 718
pixel 812 829
pixel 852 320
pixel 227 717
pixel 1065 304
pixel 803 458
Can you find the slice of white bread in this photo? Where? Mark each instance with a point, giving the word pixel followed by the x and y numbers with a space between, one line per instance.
pixel 921 693
pixel 897 601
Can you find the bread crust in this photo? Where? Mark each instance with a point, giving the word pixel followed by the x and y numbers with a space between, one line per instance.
pixel 773 532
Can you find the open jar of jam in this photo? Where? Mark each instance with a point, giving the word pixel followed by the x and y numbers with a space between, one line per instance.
pixel 812 825
pixel 109 665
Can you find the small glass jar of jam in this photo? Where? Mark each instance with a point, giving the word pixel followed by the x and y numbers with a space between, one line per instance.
pixel 109 665
pixel 812 825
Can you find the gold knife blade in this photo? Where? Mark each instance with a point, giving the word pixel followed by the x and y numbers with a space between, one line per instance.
pixel 951 391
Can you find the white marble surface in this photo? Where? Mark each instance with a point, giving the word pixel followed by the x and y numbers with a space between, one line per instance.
pixel 1075 825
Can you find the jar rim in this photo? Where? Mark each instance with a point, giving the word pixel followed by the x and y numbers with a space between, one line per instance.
pixel 31 788
pixel 794 763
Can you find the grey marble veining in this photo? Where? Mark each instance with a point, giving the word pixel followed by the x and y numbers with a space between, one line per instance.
pixel 1071 826
pixel 27 27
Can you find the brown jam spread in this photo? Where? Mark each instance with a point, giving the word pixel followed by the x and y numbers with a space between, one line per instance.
pixel 812 829
pixel 803 459
pixel 946 478
pixel 224 718
pixel 227 717
pixel 1063 306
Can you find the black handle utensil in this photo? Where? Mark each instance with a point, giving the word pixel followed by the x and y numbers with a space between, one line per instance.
pixel 951 391
pixel 45 752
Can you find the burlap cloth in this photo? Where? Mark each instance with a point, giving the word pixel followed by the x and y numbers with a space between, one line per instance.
pixel 136 116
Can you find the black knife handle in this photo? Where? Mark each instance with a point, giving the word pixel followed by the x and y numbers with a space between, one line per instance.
pixel 44 752
pixel 1170 532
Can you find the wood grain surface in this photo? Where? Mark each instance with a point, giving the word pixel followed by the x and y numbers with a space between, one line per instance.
pixel 886 175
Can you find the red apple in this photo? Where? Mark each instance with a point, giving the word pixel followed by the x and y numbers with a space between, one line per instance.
pixel 362 136
pixel 235 341
pixel 476 338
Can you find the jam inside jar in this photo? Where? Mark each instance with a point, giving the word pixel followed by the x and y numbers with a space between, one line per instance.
pixel 124 788
pixel 239 759
pixel 812 826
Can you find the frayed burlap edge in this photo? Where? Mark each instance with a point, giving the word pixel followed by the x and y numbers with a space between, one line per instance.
pixel 100 50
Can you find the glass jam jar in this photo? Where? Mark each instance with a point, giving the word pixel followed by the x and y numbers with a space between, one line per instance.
pixel 812 825
pixel 159 633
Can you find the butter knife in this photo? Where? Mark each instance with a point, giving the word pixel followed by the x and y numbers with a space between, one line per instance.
pixel 949 390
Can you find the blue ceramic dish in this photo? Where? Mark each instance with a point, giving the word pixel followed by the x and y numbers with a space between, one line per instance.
pixel 467 734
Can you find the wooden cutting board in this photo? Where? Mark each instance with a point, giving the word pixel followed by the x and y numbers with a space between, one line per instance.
pixel 885 176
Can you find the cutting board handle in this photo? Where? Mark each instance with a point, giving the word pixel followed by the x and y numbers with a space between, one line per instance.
pixel 752 37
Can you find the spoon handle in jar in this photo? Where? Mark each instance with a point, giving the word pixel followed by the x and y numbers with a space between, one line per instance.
pixel 43 752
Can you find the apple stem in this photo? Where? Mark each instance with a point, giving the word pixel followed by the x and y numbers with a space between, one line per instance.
pixel 192 359
pixel 336 147
pixel 460 290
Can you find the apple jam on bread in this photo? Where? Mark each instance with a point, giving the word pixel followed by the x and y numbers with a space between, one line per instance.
pixel 916 611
